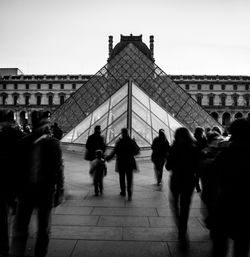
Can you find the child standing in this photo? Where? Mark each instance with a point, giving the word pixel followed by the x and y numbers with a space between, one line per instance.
pixel 98 170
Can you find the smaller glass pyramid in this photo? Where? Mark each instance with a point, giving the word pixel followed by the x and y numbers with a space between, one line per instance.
pixel 129 108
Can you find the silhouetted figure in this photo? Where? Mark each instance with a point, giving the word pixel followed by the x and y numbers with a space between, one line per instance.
pixel 208 174
pixel 125 150
pixel 41 187
pixel 231 213
pixel 56 131
pixel 182 162
pixel 201 142
pixel 9 137
pixel 160 148
pixel 98 170
pixel 94 142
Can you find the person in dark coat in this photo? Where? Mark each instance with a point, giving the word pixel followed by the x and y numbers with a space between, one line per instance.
pixel 9 138
pixel 160 148
pixel 41 187
pixel 231 214
pixel 182 162
pixel 57 132
pixel 94 142
pixel 125 150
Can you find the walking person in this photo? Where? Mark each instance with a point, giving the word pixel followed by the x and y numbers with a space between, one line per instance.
pixel 94 142
pixel 125 150
pixel 231 212
pixel 41 187
pixel 182 162
pixel 9 137
pixel 160 148
pixel 98 170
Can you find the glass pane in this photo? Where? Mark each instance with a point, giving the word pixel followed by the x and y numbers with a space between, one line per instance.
pixel 173 123
pixel 83 138
pixel 159 112
pixel 158 124
pixel 115 128
pixel 103 122
pixel 118 110
pixel 141 127
pixel 79 129
pixel 68 137
pixel 121 93
pixel 141 111
pixel 139 140
pixel 99 112
pixel 142 97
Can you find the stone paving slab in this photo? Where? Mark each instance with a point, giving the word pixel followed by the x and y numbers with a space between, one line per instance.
pixel 73 210
pixel 120 249
pixel 150 234
pixel 74 220
pixel 125 211
pixel 123 221
pixel 84 232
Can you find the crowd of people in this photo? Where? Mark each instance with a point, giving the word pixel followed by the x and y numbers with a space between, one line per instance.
pixel 213 163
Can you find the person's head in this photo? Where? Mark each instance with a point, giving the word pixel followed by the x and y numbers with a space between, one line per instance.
pixel 183 136
pixel 240 130
pixel 42 126
pixel 207 130
pixel 162 133
pixel 217 129
pixel 124 132
pixel 98 129
pixel 99 153
pixel 199 132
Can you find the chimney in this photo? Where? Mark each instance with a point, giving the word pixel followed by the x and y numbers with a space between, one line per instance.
pixel 151 41
pixel 110 44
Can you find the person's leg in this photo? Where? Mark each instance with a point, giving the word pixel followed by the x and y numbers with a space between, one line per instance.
pixel 44 224
pixel 122 182
pixel 129 176
pixel 160 171
pixel 4 235
pixel 185 201
pixel 96 186
pixel 101 185
pixel 174 200
pixel 220 244
pixel 21 227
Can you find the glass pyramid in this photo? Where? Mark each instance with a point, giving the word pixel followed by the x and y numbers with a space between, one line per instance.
pixel 130 64
pixel 131 108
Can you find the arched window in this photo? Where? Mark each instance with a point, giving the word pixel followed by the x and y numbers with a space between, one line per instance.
pixel 215 115
pixel 23 117
pixel 211 100
pixel 226 118
pixel 238 115
pixel 62 98
pixel 223 100
pixel 235 100
pixel 199 99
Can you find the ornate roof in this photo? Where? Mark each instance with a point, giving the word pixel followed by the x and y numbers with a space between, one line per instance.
pixel 135 40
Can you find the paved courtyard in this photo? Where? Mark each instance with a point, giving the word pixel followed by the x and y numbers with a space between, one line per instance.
pixel 109 225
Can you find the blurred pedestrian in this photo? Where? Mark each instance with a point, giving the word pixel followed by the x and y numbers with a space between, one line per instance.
pixel 98 170
pixel 41 187
pixel 9 138
pixel 182 162
pixel 125 150
pixel 56 131
pixel 231 212
pixel 160 148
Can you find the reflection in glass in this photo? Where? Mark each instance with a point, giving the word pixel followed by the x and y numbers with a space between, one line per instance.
pixel 121 93
pixel 141 127
pixel 115 128
pixel 173 123
pixel 139 140
pixel 141 111
pixel 83 138
pixel 79 129
pixel 118 110
pixel 157 110
pixel 140 95
pixel 68 137
pixel 98 113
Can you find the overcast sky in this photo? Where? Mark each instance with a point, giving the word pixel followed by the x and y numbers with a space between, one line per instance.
pixel 71 36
